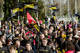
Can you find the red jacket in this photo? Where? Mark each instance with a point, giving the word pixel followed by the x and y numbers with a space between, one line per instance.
pixel 70 51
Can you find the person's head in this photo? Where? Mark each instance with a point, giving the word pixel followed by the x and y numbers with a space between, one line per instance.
pixel 6 22
pixel 44 42
pixel 46 31
pixel 17 33
pixel 42 36
pixel 61 29
pixel 12 49
pixel 71 34
pixel 62 32
pixel 70 22
pixel 70 39
pixel 26 28
pixel 28 46
pixel 3 38
pixel 22 30
pixel 51 27
pixel 70 46
pixel 0 43
pixel 50 43
pixel 6 27
pixel 35 35
pixel 17 43
pixel 9 42
pixel 76 38
pixel 62 22
pixel 9 31
pixel 43 26
pixel 50 31
pixel 70 29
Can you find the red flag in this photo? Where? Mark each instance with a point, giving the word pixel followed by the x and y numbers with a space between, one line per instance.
pixel 19 22
pixel 30 19
pixel 40 21
pixel 34 42
pixel 29 33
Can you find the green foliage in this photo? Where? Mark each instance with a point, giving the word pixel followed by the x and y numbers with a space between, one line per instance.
pixel 41 9
pixel 10 4
pixel 27 1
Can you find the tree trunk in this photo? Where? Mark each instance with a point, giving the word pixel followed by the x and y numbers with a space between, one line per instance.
pixel 1 8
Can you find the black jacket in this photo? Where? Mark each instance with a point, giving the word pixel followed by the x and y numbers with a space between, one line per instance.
pixel 25 51
pixel 3 50
pixel 20 49
pixel 44 49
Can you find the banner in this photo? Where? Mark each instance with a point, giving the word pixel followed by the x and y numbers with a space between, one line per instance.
pixel 52 8
pixel 30 19
pixel 29 6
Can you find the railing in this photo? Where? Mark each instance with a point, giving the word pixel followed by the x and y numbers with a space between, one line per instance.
pixel 67 19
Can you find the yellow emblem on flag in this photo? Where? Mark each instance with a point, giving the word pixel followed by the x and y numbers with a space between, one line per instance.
pixel 21 9
pixel 52 8
pixel 59 51
pixel 64 36
pixel 63 51
pixel 15 10
pixel 29 6
pixel 21 50
pixel 16 51
pixel 36 26
pixel 54 17
pixel 3 52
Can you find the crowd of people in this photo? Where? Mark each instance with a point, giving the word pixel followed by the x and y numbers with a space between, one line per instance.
pixel 57 37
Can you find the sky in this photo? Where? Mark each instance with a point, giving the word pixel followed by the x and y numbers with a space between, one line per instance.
pixel 62 1
pixel 51 1
pixel 46 2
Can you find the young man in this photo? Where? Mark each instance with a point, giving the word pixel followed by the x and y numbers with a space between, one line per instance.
pixel 2 48
pixel 28 48
pixel 19 48
pixel 44 48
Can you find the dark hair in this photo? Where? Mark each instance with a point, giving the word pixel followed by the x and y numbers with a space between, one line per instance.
pixel 50 26
pixel 70 46
pixel 50 41
pixel 45 29
pixel 14 41
pixel 12 47
pixel 44 39
pixel 2 35
pixel 28 42
pixel 41 33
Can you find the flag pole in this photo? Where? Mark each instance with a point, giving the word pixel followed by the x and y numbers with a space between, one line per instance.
pixel 0 23
pixel 68 8
pixel 23 22
pixel 18 12
pixel 76 7
pixel 76 11
pixel 60 8
pixel 37 19
pixel 13 30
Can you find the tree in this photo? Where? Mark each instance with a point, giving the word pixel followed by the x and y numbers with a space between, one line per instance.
pixel 1 9
pixel 11 4
pixel 41 9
